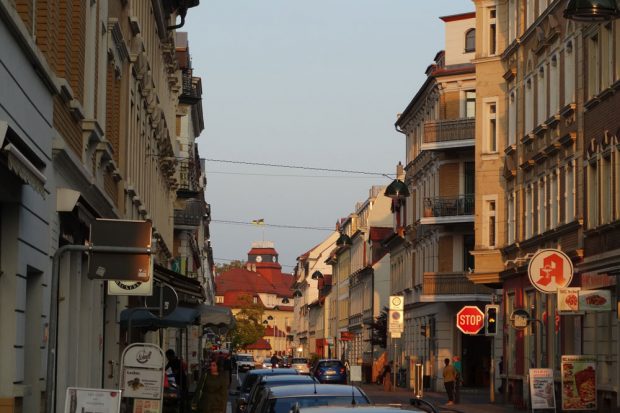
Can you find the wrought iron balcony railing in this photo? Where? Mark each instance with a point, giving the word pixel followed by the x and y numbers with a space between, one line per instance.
pixel 190 93
pixel 449 206
pixel 449 130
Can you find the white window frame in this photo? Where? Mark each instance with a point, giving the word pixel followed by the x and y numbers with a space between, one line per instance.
pixel 490 137
pixel 511 218
pixel 541 207
pixel 488 201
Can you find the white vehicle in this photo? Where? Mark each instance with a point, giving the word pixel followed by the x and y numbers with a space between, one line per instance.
pixel 301 365
pixel 245 361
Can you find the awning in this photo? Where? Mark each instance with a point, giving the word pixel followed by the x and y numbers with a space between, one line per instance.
pixel 19 163
pixel 181 317
pixel 216 316
pixel 189 287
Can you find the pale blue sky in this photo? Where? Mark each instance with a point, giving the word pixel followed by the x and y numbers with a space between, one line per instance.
pixel 309 83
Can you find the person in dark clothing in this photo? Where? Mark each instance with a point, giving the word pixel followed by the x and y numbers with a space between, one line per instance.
pixel 175 364
pixel 274 361
pixel 228 368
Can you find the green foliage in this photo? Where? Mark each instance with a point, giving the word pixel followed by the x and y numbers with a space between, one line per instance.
pixel 379 329
pixel 221 268
pixel 248 328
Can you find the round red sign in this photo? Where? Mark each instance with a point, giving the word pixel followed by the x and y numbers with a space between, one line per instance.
pixel 470 319
pixel 550 269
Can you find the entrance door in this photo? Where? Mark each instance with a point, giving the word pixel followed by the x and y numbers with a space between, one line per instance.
pixel 476 360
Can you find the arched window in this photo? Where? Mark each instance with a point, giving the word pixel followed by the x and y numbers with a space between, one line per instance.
pixel 470 40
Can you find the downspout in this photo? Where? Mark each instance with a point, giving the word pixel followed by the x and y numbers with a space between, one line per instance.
pixel 182 13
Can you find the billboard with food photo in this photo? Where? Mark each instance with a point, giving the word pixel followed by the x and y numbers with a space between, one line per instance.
pixel 578 382
pixel 572 300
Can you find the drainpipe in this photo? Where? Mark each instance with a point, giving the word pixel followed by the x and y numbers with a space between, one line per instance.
pixel 182 13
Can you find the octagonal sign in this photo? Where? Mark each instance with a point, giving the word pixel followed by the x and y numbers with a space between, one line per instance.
pixel 550 269
pixel 470 319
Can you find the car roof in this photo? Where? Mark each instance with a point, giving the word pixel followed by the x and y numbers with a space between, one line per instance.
pixel 272 372
pixel 296 390
pixel 320 360
pixel 282 378
pixel 244 354
pixel 357 408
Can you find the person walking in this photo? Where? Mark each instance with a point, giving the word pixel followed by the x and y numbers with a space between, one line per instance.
pixel 387 376
pixel 449 380
pixel 458 382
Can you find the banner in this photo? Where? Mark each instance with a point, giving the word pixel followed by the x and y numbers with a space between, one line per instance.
pixel 541 389
pixel 578 382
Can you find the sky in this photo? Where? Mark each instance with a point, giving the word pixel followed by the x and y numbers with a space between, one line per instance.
pixel 314 84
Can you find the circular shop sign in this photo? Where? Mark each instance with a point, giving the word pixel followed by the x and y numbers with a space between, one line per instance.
pixel 520 319
pixel 550 269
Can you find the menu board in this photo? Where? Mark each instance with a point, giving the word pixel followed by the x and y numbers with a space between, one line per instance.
pixel 541 389
pixel 92 400
pixel 578 382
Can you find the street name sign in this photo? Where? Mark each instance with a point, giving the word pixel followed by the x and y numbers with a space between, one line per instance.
pixel 470 319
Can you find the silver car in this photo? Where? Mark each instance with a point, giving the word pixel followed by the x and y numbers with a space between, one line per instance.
pixel 301 365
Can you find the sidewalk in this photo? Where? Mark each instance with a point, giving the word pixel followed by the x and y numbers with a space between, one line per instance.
pixel 471 402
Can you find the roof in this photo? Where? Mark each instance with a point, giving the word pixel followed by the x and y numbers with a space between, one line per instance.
pixel 272 372
pixel 260 344
pixel 286 378
pixel 243 280
pixel 358 408
pixel 313 390
pixel 461 16
pixel 271 251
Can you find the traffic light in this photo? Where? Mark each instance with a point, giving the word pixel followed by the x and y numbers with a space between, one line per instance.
pixel 491 314
pixel 423 330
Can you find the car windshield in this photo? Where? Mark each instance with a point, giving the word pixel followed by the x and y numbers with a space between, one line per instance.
pixel 300 361
pixel 245 358
pixel 284 405
pixel 331 363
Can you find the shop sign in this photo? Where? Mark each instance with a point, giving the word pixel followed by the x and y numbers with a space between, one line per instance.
pixel 550 269
pixel 79 400
pixel 146 406
pixel 571 300
pixel 578 382
pixel 592 281
pixel 542 392
pixel 142 372
pixel 346 336
pixel 519 319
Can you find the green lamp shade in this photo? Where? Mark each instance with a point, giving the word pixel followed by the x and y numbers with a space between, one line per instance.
pixel 591 10
pixel 397 190
pixel 344 240
pixel 297 294
pixel 285 300
pixel 317 275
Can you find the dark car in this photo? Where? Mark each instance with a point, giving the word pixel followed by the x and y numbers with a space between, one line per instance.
pixel 281 399
pixel 251 378
pixel 330 371
pixel 272 381
pixel 358 409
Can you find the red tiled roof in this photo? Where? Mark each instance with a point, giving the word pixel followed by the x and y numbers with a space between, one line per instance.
pixel 274 332
pixel 260 344
pixel 240 279
pixel 270 251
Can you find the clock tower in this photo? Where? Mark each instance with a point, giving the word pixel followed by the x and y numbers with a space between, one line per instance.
pixel 263 259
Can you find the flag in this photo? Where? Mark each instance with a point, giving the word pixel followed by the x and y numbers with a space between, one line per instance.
pixel 260 221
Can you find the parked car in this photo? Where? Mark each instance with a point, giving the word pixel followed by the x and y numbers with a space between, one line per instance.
pixel 281 399
pixel 301 364
pixel 275 380
pixel 244 362
pixel 243 391
pixel 285 362
pixel 359 409
pixel 267 365
pixel 330 371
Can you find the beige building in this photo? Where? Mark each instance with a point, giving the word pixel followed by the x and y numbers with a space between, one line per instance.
pixel 431 261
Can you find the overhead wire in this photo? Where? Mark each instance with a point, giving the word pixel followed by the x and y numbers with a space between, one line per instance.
pixel 224 221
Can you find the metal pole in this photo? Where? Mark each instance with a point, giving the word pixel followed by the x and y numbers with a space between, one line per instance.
pixel 492 370
pixel 52 357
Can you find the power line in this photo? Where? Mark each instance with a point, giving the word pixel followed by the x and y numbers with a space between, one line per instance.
pixel 223 221
pixel 307 168
pixel 286 175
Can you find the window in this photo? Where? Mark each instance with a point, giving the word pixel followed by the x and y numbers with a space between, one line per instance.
pixel 470 103
pixel 512 24
pixel 529 209
pixel 531 12
pixel 491 128
pixel 468 245
pixel 541 96
pixel 492 32
pixel 553 200
pixel 554 86
pixel 511 218
pixel 569 73
pixel 607 54
pixel 529 106
pixel 490 227
pixel 255 300
pixel 219 299
pixel 606 189
pixel 569 194
pixel 617 43
pixel 470 41
pixel 592 201
pixel 512 118
pixel 593 66
pixel 542 206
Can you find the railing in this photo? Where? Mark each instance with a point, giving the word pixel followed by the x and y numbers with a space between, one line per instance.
pixel 192 214
pixel 189 92
pixel 449 130
pixel 441 206
pixel 451 284
pixel 188 179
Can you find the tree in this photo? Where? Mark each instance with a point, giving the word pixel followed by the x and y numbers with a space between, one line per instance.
pixel 221 268
pixel 248 327
pixel 379 329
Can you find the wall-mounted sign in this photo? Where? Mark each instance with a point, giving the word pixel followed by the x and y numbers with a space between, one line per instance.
pixel 542 392
pixel 578 382
pixel 571 300
pixel 550 269
pixel 80 400
pixel 519 319
pixel 568 300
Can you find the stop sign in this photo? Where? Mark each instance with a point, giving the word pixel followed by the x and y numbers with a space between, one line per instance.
pixel 470 319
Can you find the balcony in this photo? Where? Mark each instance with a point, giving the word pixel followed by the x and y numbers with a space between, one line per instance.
pixel 451 287
pixel 192 215
pixel 447 134
pixel 190 93
pixel 448 210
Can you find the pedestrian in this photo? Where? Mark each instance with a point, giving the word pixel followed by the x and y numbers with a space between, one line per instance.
pixel 386 375
pixel 228 368
pixel 456 362
pixel 177 368
pixel 449 380
pixel 274 361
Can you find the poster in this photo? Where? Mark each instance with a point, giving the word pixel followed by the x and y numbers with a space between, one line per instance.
pixel 568 300
pixel 146 406
pixel 80 400
pixel 595 300
pixel 541 389
pixel 578 382
pixel 142 383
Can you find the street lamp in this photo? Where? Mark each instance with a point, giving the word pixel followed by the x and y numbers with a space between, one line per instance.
pixel 270 318
pixel 591 10
pixel 317 275
pixel 397 190
pixel 285 300
pixel 344 240
pixel 297 293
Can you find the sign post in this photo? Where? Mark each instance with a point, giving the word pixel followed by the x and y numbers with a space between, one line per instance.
pixel 142 375
pixel 470 319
